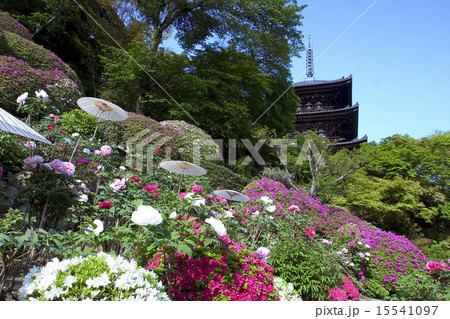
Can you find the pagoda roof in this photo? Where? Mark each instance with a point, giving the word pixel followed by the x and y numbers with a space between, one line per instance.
pixel 332 111
pixel 322 82
pixel 350 144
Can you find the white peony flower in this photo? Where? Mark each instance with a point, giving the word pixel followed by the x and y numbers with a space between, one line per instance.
pixel 228 214
pixel 41 94
pixel 83 198
pixel 146 215
pixel 266 200
pixel 217 225
pixel 173 215
pixel 271 208
pixel 87 151
pixel 99 227
pixel 21 99
pixel 75 134
pixel 123 168
pixel 256 214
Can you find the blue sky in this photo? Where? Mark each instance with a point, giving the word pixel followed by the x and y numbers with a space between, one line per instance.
pixel 398 54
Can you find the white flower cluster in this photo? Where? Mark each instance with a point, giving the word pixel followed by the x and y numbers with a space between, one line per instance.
pixel 285 290
pixel 123 281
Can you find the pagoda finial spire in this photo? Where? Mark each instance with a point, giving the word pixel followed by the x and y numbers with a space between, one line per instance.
pixel 309 61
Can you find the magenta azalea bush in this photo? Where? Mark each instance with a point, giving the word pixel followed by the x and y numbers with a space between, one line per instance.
pixel 386 256
pixel 9 24
pixel 35 55
pixel 348 291
pixel 226 272
pixel 18 76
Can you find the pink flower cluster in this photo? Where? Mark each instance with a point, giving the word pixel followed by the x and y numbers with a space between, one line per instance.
pixel 434 267
pixel 196 188
pixel 105 150
pixel 347 292
pixel 235 274
pixel 61 168
pixel 152 189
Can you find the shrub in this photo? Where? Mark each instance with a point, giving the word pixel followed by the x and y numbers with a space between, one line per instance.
pixel 303 264
pixel 222 177
pixel 17 76
pixel 133 129
pixel 79 121
pixel 418 285
pixel 9 24
pixel 192 142
pixel 101 277
pixel 347 292
pixel 35 55
pixel 392 257
pixel 285 291
pixel 222 272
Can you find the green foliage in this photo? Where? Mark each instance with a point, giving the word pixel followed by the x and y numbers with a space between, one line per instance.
pixel 192 141
pixel 310 271
pixel 222 177
pixel 13 151
pixel 79 121
pixel 420 286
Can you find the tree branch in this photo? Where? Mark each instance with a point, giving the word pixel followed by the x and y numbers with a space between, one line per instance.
pixel 45 25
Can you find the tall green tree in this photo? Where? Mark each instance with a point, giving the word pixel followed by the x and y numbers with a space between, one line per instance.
pixel 405 188
pixel 75 31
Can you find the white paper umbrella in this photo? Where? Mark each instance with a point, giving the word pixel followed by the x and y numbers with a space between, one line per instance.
pixel 102 109
pixel 232 195
pixel 11 124
pixel 183 168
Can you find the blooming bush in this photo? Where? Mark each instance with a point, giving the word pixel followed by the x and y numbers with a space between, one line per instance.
pixel 35 55
pixel 192 141
pixel 17 76
pixel 285 291
pixel 226 272
pixel 347 292
pixel 100 277
pixel 9 24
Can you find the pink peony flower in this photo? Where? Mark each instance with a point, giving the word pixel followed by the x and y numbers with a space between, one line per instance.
pixel 118 184
pixel 435 267
pixel 183 195
pixel 52 115
pixel 50 127
pixel 70 169
pixel 294 208
pixel 33 162
pixel 56 119
pixel 106 150
pixel 58 166
pixel 197 189
pixel 98 152
pixel 159 151
pixel 310 232
pixel 150 188
pixel 106 205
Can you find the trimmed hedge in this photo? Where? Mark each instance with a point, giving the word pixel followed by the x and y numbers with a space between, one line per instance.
pixel 222 177
pixel 34 54
pixel 8 23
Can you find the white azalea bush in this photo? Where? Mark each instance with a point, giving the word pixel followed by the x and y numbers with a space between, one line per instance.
pixel 285 290
pixel 97 277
